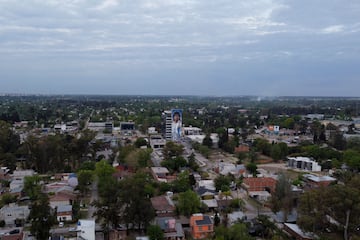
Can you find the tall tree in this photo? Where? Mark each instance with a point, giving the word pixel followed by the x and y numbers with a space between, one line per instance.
pixel 188 203
pixel 282 198
pixel 41 217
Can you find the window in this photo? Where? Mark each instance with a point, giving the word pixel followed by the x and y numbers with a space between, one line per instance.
pixel 200 228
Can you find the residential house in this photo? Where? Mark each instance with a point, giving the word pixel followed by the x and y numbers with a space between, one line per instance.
pixel 313 181
pixel 13 234
pixel 163 206
pixel 13 212
pixel 201 226
pixel 172 229
pixel 64 213
pixel 61 199
pixel 4 173
pixel 206 193
pixel 242 149
pixel 303 163
pixel 252 184
pixel 230 168
pixel 161 174
pixel 86 229
pixel 298 234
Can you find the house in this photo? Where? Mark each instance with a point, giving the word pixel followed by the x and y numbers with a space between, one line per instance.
pixel 235 217
pixel 172 229
pixel 208 184
pixel 252 184
pixel 313 181
pixel 303 163
pixel 160 174
pixel 4 173
pixel 86 229
pixel 12 234
pixel 242 149
pixel 61 199
pixel 64 213
pixel 230 168
pixel 297 233
pixel 163 206
pixel 206 193
pixel 201 226
pixel 13 212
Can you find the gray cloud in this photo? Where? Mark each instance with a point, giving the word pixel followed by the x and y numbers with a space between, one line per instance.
pixel 217 47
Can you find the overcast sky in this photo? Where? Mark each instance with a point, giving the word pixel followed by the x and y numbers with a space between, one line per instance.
pixel 191 47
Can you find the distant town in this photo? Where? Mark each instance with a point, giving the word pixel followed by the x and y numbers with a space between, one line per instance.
pixel 179 167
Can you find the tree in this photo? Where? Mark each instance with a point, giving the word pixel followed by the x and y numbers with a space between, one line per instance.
pixel 7 198
pixel 172 150
pixel 344 205
pixel 222 183
pixel 282 198
pixel 135 200
pixel 32 187
pixel 276 152
pixel 352 159
pixel 174 164
pixel 252 168
pixel 140 142
pixel 192 162
pixel 188 203
pixel 207 141
pixel 182 182
pixel 155 232
pixel 239 231
pixel 41 217
pixel 85 178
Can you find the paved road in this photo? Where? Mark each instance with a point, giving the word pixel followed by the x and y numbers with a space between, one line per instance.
pixel 94 197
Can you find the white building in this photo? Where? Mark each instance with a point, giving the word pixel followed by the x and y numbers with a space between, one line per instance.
pixel 167 121
pixel 86 229
pixel 303 163
pixel 9 213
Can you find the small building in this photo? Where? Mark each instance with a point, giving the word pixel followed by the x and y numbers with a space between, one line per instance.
pixel 201 226
pixel 13 212
pixel 235 217
pixel 12 234
pixel 157 142
pixel 163 206
pixel 160 174
pixel 86 229
pixel 64 213
pixel 298 234
pixel 61 199
pixel 303 163
pixel 259 184
pixel 313 181
pixel 172 229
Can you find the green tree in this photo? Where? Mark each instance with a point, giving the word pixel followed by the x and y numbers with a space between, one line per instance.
pixel 135 200
pixel 188 203
pixel 155 232
pixel 207 141
pixel 276 153
pixel 32 187
pixel 222 183
pixel 172 150
pixel 352 159
pixel 85 178
pixel 7 198
pixel 282 198
pixel 252 168
pixel 174 164
pixel 40 217
pixel 182 182
pixel 140 142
